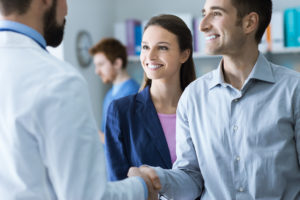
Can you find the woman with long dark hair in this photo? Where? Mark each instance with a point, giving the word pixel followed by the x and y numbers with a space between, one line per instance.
pixel 140 128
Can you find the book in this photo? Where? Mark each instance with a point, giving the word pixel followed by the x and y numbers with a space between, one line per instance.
pixel 131 36
pixel 120 32
pixel 291 27
pixel 298 26
pixel 277 31
pixel 138 33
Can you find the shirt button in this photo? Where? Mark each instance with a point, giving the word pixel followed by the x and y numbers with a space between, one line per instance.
pixel 238 158
pixel 241 189
pixel 236 100
pixel 235 128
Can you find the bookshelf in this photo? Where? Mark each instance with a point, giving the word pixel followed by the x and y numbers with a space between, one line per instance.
pixel 143 10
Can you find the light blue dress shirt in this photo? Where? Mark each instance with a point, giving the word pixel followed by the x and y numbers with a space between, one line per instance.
pixel 6 25
pixel 238 144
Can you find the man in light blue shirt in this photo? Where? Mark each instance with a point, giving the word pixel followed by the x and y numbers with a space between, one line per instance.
pixel 238 127
pixel 110 59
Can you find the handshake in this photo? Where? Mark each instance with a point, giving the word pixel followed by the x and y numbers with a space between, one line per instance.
pixel 150 177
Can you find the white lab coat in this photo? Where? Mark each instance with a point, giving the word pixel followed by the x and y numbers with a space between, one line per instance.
pixel 49 146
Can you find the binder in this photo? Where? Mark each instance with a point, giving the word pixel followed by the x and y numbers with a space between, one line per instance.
pixel 292 27
pixel 131 35
pixel 277 31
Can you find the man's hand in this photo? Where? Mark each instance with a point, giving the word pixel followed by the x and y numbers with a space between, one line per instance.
pixel 102 137
pixel 150 177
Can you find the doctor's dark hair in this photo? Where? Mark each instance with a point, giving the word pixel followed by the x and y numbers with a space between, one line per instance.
pixel 112 49
pixel 8 7
pixel 262 7
pixel 176 26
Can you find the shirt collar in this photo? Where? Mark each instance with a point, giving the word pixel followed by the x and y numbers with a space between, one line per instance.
pixel 6 25
pixel 217 76
pixel 261 71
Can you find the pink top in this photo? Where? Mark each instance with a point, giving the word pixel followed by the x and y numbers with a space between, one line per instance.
pixel 168 123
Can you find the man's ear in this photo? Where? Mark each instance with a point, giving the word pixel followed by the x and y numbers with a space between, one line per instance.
pixel 185 55
pixel 250 22
pixel 45 3
pixel 118 63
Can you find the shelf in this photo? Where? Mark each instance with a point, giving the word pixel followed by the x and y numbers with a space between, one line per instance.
pixel 288 50
pixel 195 56
pixel 133 58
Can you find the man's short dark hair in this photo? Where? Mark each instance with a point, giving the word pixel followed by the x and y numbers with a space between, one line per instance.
pixel 8 7
pixel 262 7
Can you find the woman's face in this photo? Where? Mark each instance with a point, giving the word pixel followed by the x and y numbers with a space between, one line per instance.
pixel 161 56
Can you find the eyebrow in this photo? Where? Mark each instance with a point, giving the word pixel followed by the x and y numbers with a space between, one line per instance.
pixel 159 43
pixel 216 8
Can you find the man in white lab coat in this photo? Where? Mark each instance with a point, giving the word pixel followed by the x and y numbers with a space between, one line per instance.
pixel 49 147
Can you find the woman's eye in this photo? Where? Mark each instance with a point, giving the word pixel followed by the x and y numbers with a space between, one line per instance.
pixel 145 47
pixel 163 48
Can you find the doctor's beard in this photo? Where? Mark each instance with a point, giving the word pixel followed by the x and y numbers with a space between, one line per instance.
pixel 53 32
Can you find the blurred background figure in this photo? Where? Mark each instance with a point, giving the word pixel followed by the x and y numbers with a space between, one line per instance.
pixel 110 59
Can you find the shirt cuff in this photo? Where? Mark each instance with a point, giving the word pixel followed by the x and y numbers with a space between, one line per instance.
pixel 159 171
pixel 144 185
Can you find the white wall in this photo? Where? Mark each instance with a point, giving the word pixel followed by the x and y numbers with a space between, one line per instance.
pixel 96 17
pixel 144 9
pixel 283 4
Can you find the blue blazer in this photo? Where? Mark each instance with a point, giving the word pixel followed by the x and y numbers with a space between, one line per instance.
pixel 134 136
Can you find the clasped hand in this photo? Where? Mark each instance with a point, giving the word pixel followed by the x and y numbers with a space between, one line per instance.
pixel 150 177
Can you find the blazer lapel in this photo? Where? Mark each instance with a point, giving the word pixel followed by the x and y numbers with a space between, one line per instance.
pixel 153 127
